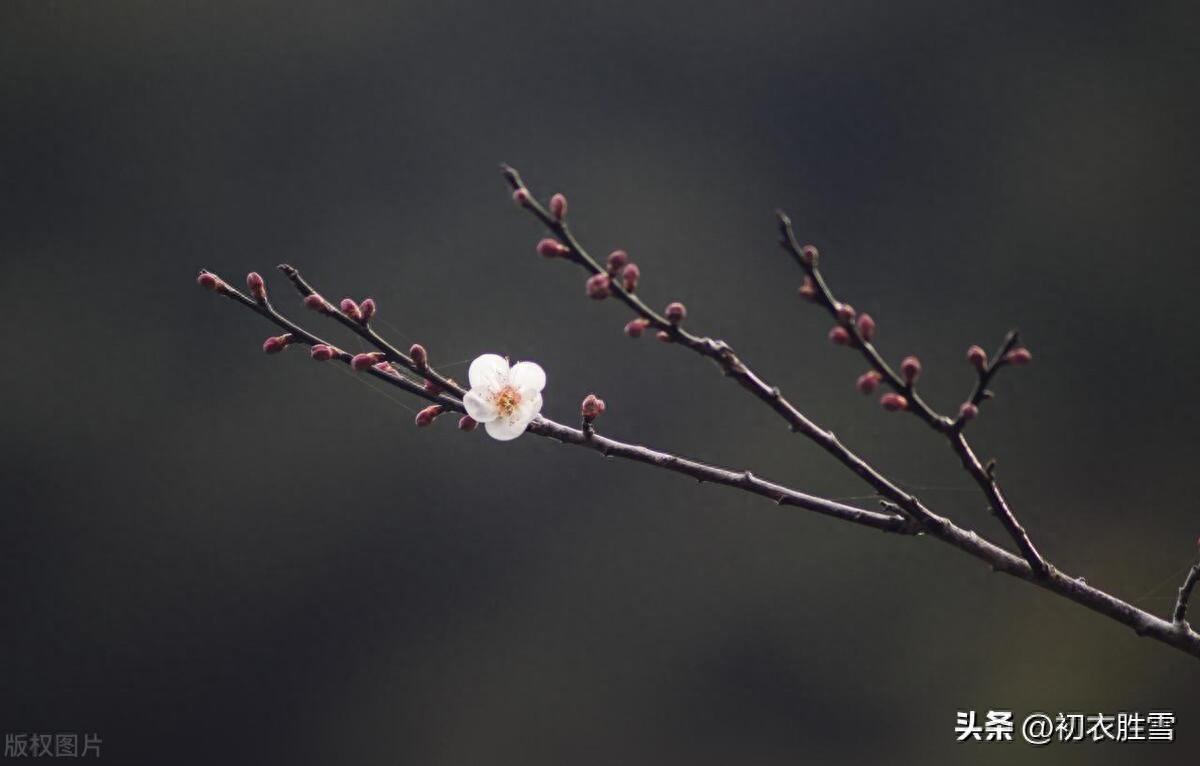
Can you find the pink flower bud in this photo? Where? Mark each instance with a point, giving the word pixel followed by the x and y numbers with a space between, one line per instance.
pixel 362 362
pixel 1019 356
pixel 977 357
pixel 521 197
pixel 431 387
pixel 630 276
pixel 316 303
pixel 419 356
pixel 868 382
pixel 845 312
pixel 256 285
pixel 676 312
pixel 910 368
pixel 809 255
pixel 808 289
pixel 277 343
pixel 967 411
pixel 636 327
pixel 551 248
pixel 664 336
pixel 208 280
pixel 617 260
pixel 558 206
pixel 866 327
pixel 591 407
pixel 598 287
pixel 426 416
pixel 367 307
pixel 839 336
pixel 467 423
pixel 350 309
pixel 322 353
pixel 893 402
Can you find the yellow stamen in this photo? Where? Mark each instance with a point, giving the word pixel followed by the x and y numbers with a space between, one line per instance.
pixel 507 400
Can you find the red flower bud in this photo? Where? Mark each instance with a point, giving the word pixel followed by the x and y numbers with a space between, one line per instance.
pixel 208 280
pixel 977 357
pixel 467 423
pixel 277 343
pixel 419 356
pixel 558 206
pixel 664 336
pixel 676 312
pixel 617 260
pixel 521 197
pixel 845 312
pixel 629 277
pixel 808 289
pixel 362 362
pixel 893 402
pixel 350 309
pixel 866 327
pixel 868 382
pixel 322 353
pixel 839 336
pixel 809 255
pixel 431 387
pixel 1019 356
pixel 591 407
pixel 551 248
pixel 910 368
pixel 367 307
pixel 316 303
pixel 636 327
pixel 256 286
pixel 425 417
pixel 598 287
pixel 967 411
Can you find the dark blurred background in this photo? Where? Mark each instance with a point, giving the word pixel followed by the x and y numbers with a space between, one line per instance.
pixel 211 556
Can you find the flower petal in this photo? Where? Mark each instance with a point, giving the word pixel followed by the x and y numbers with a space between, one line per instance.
pixel 529 408
pixel 506 429
pixel 480 407
pixel 489 372
pixel 527 376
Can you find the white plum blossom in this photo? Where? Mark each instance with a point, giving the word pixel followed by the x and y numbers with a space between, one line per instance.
pixel 505 399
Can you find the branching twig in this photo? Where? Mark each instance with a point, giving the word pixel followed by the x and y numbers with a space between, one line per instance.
pixel 901 513
pixel 856 331
pixel 720 352
pixel 1185 592
pixel 744 480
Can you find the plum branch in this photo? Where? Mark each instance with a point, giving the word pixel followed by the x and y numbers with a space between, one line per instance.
pixel 857 331
pixel 901 513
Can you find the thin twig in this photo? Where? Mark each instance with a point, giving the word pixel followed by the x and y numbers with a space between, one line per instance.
pixel 744 480
pixel 1185 592
pixel 951 428
pixel 720 352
